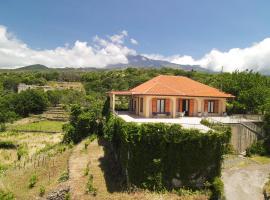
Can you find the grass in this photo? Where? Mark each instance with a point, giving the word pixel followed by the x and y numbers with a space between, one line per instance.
pixel 33 143
pixel 17 181
pixel 261 159
pixel 50 126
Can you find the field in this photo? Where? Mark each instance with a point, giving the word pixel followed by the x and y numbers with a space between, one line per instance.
pixel 32 147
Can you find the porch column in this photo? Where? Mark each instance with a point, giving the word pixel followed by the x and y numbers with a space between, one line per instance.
pixel 112 102
pixel 173 107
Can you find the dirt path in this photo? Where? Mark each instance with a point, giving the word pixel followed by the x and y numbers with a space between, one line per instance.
pixel 245 182
pixel 77 164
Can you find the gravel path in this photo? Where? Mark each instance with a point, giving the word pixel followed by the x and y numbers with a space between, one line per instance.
pixel 245 182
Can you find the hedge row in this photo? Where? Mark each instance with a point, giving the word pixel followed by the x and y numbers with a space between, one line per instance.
pixel 158 156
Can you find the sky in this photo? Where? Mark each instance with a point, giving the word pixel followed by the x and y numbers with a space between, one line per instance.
pixel 234 34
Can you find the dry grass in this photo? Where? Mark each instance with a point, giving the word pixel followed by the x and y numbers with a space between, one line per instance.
pixel 34 142
pixel 17 181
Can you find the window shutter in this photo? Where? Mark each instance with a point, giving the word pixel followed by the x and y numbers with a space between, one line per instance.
pixel 216 106
pixel 180 105
pixel 191 107
pixel 154 105
pixel 205 105
pixel 167 105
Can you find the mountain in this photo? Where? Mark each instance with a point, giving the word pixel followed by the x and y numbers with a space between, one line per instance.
pixel 140 61
pixel 36 67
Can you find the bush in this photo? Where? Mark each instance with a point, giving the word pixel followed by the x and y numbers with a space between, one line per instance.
pixel 2 127
pixel 7 145
pixel 32 181
pixel 218 188
pixel 6 195
pixel 41 191
pixel 256 148
pixel 22 151
pixel 153 154
pixel 64 177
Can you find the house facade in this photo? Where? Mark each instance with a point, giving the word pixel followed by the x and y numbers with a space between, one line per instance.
pixel 173 96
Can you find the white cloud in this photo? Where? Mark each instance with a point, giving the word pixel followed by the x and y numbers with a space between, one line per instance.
pixel 255 57
pixel 133 41
pixel 15 53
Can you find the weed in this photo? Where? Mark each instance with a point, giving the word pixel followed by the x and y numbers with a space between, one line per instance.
pixel 41 191
pixel 32 181
pixel 63 177
pixel 22 151
pixel 6 195
pixel 89 186
pixel 86 171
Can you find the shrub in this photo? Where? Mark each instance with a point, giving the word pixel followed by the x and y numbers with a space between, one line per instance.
pixel 32 181
pixel 22 151
pixel 41 191
pixel 6 195
pixel 63 177
pixel 218 188
pixel 256 148
pixel 7 145
pixel 2 127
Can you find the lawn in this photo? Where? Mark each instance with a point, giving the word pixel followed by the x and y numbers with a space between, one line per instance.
pixel 50 126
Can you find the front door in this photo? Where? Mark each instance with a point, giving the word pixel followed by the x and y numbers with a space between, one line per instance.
pixel 185 106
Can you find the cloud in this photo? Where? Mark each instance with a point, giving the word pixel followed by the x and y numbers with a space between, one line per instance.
pixel 15 53
pixel 133 41
pixel 255 57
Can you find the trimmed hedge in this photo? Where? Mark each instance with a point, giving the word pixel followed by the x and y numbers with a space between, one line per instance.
pixel 158 156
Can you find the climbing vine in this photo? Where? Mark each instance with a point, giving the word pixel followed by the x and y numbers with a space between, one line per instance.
pixel 158 156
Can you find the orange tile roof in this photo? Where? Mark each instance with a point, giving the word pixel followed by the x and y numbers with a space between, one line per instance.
pixel 177 86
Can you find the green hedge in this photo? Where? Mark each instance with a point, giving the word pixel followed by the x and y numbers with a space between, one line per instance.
pixel 157 156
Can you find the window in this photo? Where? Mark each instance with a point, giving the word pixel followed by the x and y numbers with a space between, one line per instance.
pixel 211 106
pixel 161 105
pixel 141 104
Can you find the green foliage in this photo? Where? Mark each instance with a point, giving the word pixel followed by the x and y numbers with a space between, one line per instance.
pixel 67 196
pixel 2 127
pixel 30 101
pixel 89 186
pixel 41 191
pixel 32 181
pixel 22 151
pixel 64 177
pixel 83 122
pixel 218 189
pixel 86 171
pixel 155 154
pixel 6 195
pixel 7 145
pixel 257 148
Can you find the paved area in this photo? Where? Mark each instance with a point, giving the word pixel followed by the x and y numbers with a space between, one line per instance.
pixel 244 179
pixel 186 122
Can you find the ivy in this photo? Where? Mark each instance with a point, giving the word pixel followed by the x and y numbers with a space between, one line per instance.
pixel 155 154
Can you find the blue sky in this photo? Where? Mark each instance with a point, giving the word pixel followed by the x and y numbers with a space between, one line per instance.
pixel 166 28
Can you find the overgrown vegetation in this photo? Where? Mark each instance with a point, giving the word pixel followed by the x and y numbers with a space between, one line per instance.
pixel 89 186
pixel 153 155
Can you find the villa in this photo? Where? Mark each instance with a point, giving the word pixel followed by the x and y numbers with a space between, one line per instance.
pixel 173 96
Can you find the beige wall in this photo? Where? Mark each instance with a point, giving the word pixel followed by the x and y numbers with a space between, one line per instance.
pixel 198 105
